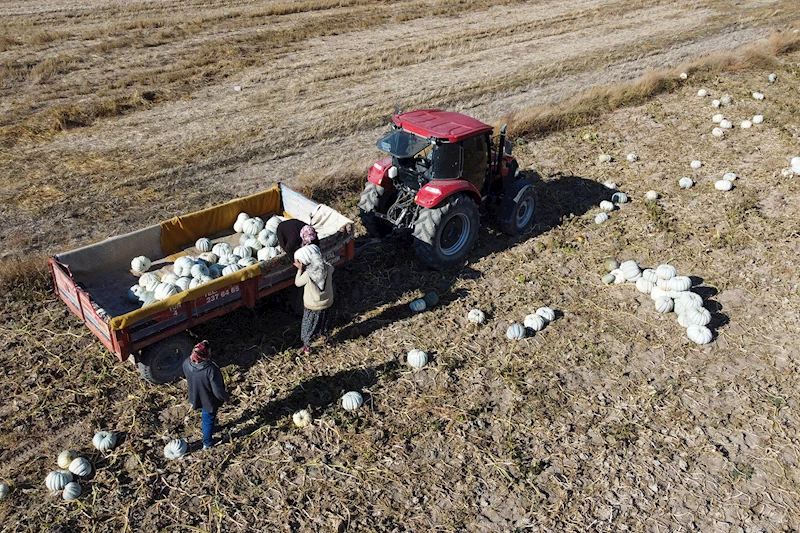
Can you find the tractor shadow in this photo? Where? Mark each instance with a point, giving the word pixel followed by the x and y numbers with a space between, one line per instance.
pixel 316 394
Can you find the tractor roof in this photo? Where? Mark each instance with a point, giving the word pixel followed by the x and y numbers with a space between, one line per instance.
pixel 445 125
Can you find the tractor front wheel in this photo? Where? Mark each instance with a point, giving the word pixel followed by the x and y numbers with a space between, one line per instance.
pixel 374 199
pixel 162 362
pixel 444 235
pixel 516 211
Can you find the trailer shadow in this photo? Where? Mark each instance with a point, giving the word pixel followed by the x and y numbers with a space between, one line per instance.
pixel 316 394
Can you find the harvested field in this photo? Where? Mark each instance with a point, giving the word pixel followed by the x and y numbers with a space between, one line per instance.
pixel 118 115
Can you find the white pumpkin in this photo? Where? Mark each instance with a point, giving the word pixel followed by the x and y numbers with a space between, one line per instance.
pixel 268 252
pixel 726 124
pixel 685 183
pixel 418 305
pixel 243 251
pixel 729 176
pixel 664 304
pixel 535 322
pixel 644 286
pixel 758 96
pixel 632 157
pixel 228 259
pixel 205 279
pixel 198 270
pixel 140 264
pixel 245 262
pixel 604 158
pixel 619 198
pixel 746 124
pixel 600 218
pixel 699 316
pixel 684 75
pixel 203 244
pixel 702 93
pixel 183 283
pixel 611 264
pixel 699 334
pixel 657 292
pixel 662 284
pixel 666 271
pixel 80 466
pixel 619 277
pixel 605 205
pixel 717 132
pixel 175 449
pixel 651 195
pixel 254 244
pixel 267 237
pixel 417 358
pixel 148 299
pixel 302 418
pixel 758 119
pixel 242 216
pixel 772 78
pixel 104 440
pixel 272 223
pixel 170 277
pixel 631 270
pixel 476 316
pixel 679 283
pixel 795 164
pixel 352 400
pixel 609 278
pixel 719 117
pixel 147 279
pixel 196 282
pixel 546 313
pixel 65 458
pixel 243 238
pixel 715 103
pixel 515 332
pixel 696 164
pixel 209 257
pixel 72 491
pixel 723 185
pixel 230 269
pixel 650 275
pixel 609 185
pixel 222 248
pixel 165 290
pixel 682 319
pixel 237 226
pixel 135 292
pixel 252 226
pixel 57 480
pixel 183 266
pixel 686 300
pixel 4 490
pixel 726 99
pixel 431 299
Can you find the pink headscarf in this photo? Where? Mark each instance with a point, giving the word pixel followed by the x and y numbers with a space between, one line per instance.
pixel 308 234
pixel 201 352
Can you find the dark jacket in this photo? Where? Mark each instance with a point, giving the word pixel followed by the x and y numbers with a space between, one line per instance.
pixel 289 240
pixel 206 386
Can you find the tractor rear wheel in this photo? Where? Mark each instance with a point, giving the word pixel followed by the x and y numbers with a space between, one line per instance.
pixel 375 200
pixel 444 235
pixel 162 362
pixel 516 211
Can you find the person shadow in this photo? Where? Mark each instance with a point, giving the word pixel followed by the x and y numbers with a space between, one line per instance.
pixel 315 394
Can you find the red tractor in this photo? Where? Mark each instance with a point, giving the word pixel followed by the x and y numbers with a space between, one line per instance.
pixel 441 171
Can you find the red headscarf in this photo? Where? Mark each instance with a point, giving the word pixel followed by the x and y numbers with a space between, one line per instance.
pixel 201 352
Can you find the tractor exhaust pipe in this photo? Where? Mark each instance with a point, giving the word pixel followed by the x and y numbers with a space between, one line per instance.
pixel 500 148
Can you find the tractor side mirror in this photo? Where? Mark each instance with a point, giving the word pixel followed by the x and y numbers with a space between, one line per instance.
pixel 507 149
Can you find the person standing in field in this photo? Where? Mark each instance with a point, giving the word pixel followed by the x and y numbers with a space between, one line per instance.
pixel 206 388
pixel 315 275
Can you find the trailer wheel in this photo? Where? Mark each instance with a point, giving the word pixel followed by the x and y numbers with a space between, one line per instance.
pixel 444 235
pixel 516 212
pixel 162 361
pixel 374 199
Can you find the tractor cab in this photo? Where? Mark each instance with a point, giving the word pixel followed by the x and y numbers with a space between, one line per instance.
pixel 441 168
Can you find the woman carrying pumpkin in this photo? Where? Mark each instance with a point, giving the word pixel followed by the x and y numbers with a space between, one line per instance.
pixel 206 388
pixel 315 275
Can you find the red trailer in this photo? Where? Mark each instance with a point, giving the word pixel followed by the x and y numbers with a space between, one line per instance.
pixel 94 280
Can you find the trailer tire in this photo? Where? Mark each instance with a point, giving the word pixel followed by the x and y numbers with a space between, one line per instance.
pixel 444 235
pixel 374 199
pixel 162 362
pixel 518 207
